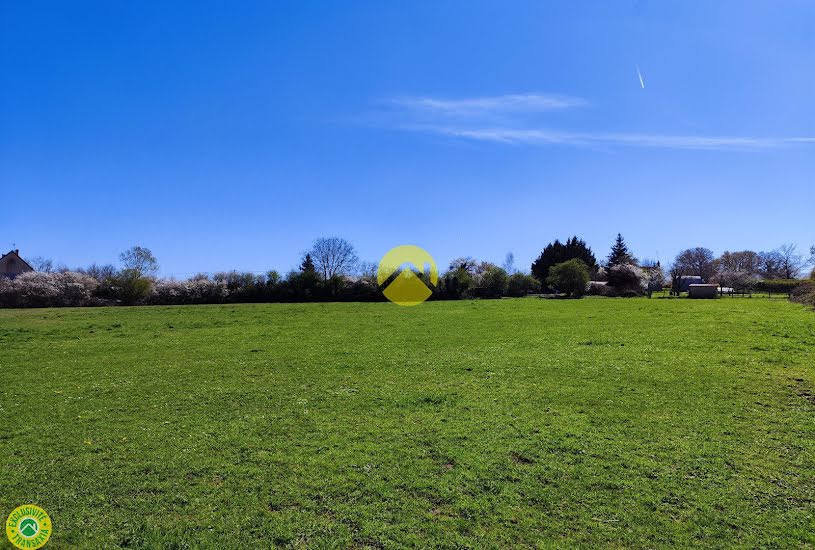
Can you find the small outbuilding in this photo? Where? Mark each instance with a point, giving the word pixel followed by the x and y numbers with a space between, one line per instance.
pixel 702 291
pixel 11 265
pixel 687 280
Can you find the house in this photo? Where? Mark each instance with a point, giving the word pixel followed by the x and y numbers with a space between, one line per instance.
pixel 11 265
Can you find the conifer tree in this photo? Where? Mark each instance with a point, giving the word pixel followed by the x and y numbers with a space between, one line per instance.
pixel 558 252
pixel 620 253
pixel 308 265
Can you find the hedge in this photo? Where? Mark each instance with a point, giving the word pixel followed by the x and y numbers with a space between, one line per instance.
pixel 779 286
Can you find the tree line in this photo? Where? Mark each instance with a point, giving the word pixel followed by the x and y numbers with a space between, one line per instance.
pixel 332 271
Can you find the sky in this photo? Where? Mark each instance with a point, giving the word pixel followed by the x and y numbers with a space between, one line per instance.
pixel 231 135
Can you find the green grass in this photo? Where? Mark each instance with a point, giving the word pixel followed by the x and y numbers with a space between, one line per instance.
pixel 512 423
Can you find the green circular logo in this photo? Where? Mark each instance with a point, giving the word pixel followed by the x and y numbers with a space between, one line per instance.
pixel 28 526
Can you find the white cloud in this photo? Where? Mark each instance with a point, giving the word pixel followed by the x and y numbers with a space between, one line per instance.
pixel 554 137
pixel 502 119
pixel 489 105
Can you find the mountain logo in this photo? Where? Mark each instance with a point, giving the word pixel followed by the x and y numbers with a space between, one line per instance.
pixel 407 273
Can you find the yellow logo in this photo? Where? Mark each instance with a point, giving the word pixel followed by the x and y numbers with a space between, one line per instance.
pixel 28 526
pixel 407 288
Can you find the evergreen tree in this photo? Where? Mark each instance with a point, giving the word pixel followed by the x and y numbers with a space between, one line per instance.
pixel 308 265
pixel 557 252
pixel 620 253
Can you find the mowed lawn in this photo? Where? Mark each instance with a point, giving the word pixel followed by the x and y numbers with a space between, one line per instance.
pixel 511 423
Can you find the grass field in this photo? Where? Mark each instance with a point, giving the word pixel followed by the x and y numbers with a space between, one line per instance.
pixel 595 422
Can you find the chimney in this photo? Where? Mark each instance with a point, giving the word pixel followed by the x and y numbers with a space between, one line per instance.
pixel 17 251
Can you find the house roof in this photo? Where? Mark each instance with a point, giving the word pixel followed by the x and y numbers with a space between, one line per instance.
pixel 16 253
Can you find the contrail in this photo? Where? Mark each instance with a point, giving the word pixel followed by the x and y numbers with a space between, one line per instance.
pixel 639 74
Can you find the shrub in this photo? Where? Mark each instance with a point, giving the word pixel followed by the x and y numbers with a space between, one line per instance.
pixel 557 252
pixel 75 289
pixel 168 293
pixel 656 279
pixel 273 278
pixel 193 291
pixel 739 281
pixel 302 286
pixel 608 291
pixel 35 289
pixel 570 277
pixel 7 295
pixel 520 284
pixel 600 288
pixel 30 290
pixel 238 280
pixel 130 287
pixel 780 286
pixel 627 277
pixel 362 290
pixel 455 283
pixel 493 282
pixel 804 293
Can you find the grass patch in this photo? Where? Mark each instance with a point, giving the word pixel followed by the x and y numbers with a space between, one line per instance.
pixel 506 423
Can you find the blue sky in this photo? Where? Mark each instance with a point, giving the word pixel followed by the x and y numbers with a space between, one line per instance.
pixel 225 135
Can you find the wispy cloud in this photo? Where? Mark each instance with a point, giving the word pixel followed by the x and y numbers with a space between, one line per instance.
pixel 514 103
pixel 508 119
pixel 551 137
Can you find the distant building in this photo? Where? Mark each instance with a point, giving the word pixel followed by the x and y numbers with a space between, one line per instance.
pixel 687 280
pixel 702 291
pixel 11 265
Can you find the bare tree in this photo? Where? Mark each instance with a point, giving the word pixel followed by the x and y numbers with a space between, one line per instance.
pixel 509 263
pixel 333 256
pixel 744 261
pixel 43 265
pixel 770 265
pixel 99 272
pixel 140 261
pixel 694 261
pixel 676 272
pixel 791 262
pixel 465 263
pixel 367 272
